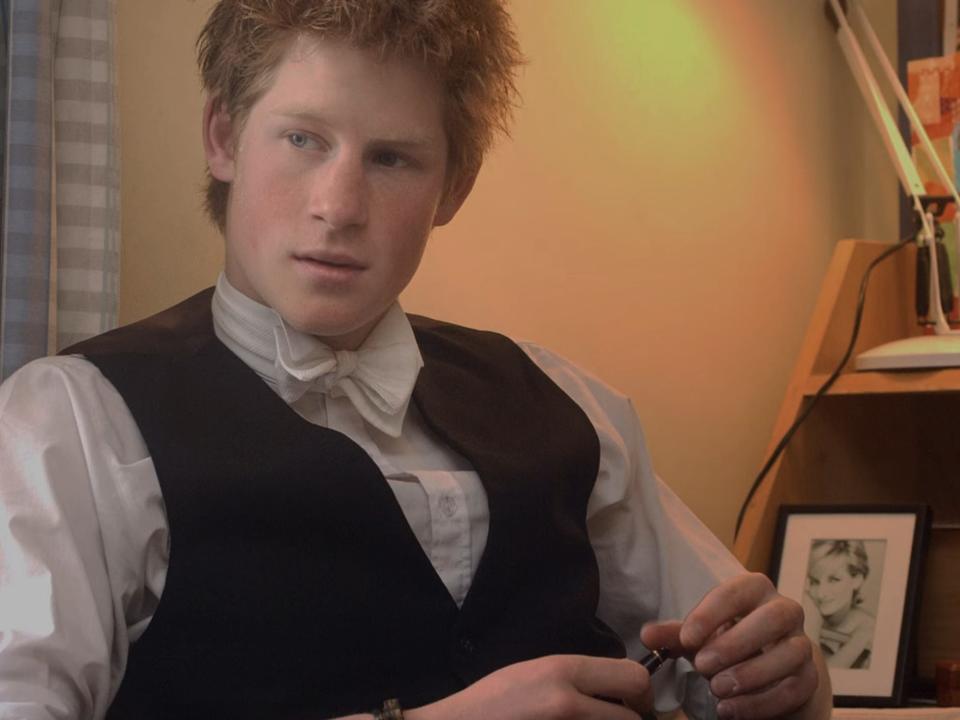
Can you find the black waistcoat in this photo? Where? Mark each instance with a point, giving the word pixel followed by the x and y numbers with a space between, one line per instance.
pixel 296 587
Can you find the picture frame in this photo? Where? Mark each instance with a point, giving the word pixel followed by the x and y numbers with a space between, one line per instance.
pixel 856 571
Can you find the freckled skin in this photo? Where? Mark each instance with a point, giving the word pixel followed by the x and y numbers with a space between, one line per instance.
pixel 337 178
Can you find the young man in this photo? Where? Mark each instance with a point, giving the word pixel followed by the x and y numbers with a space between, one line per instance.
pixel 283 498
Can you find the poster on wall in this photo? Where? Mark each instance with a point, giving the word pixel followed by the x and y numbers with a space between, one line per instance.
pixel 933 85
pixel 951 20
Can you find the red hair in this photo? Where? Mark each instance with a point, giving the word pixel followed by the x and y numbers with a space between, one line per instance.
pixel 471 45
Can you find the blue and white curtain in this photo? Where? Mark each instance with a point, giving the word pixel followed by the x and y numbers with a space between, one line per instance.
pixel 60 232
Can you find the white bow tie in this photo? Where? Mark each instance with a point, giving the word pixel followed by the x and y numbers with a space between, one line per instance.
pixel 378 379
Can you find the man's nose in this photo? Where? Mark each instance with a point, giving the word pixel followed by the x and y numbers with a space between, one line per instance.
pixel 339 193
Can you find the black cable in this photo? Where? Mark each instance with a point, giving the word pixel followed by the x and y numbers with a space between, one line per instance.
pixel 784 441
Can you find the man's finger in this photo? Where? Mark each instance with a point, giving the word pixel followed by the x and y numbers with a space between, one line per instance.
pixel 644 706
pixel 780 699
pixel 765 627
pixel 604 710
pixel 750 676
pixel 725 603
pixel 613 678
pixel 662 635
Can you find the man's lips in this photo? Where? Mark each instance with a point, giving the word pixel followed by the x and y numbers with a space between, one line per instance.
pixel 330 259
pixel 329 269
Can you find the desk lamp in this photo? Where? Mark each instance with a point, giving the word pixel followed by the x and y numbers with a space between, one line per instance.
pixel 942 349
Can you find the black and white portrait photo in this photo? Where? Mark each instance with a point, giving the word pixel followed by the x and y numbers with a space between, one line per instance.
pixel 855 570
pixel 841 597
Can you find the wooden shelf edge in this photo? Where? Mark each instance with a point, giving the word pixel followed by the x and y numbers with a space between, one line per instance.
pixel 886 383
pixel 908 713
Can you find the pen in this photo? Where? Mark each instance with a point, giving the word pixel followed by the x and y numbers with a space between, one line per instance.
pixel 653 660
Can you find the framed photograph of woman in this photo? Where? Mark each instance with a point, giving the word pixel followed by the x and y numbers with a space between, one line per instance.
pixel 855 570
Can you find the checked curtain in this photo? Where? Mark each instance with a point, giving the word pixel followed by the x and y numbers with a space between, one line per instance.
pixel 60 221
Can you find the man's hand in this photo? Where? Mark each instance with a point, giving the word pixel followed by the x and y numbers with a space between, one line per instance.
pixel 748 640
pixel 557 687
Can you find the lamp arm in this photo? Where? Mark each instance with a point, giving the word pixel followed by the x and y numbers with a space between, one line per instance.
pixel 896 148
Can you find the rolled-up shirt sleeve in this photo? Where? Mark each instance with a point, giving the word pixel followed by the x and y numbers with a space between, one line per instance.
pixel 67 606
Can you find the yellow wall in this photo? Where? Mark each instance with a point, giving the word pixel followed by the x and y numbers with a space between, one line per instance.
pixel 678 175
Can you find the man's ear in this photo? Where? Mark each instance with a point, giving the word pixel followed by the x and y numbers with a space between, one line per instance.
pixel 218 140
pixel 454 197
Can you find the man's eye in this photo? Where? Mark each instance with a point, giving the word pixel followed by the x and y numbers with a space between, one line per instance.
pixel 389 159
pixel 299 140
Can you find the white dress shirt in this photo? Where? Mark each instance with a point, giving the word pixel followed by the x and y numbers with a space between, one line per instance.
pixel 84 538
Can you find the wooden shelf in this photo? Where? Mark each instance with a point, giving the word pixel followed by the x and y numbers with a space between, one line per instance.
pixel 902 381
pixel 875 437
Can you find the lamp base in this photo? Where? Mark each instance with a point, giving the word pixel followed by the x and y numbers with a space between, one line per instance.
pixel 923 351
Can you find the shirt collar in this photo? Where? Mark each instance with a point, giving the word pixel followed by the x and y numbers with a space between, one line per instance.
pixel 255 332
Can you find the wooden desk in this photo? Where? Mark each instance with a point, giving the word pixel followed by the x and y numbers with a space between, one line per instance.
pixel 932 713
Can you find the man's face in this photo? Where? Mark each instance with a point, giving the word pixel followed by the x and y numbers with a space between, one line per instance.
pixel 337 179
